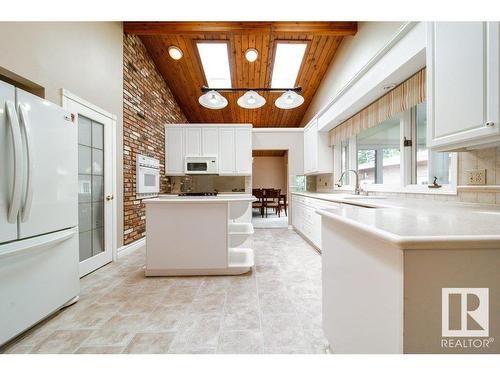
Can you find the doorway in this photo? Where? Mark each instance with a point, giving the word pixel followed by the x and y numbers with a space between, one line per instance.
pixel 270 186
pixel 96 168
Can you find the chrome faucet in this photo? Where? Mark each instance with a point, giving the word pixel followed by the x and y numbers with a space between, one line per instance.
pixel 357 188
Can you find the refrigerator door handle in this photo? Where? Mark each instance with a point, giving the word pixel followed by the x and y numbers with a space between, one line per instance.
pixel 33 244
pixel 15 199
pixel 25 212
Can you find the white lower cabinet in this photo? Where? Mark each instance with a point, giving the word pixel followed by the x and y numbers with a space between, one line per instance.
pixel 305 219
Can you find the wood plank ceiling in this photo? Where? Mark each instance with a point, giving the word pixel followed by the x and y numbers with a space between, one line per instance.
pixel 273 153
pixel 185 77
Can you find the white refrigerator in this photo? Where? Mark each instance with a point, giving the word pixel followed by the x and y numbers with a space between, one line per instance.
pixel 38 210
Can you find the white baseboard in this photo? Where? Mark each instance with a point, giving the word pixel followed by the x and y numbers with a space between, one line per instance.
pixel 127 249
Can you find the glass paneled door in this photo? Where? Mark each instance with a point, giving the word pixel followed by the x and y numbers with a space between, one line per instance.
pixel 91 187
pixel 95 197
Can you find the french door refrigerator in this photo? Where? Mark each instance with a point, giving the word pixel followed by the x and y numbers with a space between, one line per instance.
pixel 38 210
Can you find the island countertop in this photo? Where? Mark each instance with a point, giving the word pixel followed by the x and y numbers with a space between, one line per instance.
pixel 417 223
pixel 222 197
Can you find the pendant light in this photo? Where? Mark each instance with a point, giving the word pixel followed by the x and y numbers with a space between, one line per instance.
pixel 288 100
pixel 251 100
pixel 212 100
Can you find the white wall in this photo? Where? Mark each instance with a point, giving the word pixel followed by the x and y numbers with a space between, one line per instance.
pixel 85 58
pixel 269 172
pixel 353 53
pixel 282 139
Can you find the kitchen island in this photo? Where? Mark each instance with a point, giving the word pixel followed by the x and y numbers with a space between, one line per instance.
pixel 388 266
pixel 197 235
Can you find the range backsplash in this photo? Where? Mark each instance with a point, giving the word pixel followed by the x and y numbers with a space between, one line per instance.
pixel 201 183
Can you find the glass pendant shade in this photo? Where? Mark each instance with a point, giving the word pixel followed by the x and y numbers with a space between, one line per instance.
pixel 289 100
pixel 251 100
pixel 212 100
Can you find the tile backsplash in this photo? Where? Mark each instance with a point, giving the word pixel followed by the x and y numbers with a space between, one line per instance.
pixel 207 183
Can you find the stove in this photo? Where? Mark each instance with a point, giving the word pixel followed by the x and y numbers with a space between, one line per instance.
pixel 202 194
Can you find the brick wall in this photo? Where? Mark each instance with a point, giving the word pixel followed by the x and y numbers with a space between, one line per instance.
pixel 148 105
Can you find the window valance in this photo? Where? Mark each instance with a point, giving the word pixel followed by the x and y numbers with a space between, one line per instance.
pixel 404 96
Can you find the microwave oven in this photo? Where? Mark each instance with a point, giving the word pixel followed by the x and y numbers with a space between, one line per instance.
pixel 201 165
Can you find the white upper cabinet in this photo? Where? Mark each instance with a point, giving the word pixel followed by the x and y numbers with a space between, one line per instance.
pixel 226 160
pixel 463 84
pixel 243 152
pixel 210 141
pixel 318 157
pixel 192 138
pixel 174 146
pixel 232 144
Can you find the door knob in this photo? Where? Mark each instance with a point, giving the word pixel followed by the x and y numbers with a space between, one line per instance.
pixel 109 197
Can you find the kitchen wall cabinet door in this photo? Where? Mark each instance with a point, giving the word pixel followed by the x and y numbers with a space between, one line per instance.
pixel 174 151
pixel 210 141
pixel 463 84
pixel 226 160
pixel 318 157
pixel 243 151
pixel 193 141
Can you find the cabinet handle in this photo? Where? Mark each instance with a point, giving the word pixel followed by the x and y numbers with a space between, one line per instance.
pixel 109 197
pixel 490 124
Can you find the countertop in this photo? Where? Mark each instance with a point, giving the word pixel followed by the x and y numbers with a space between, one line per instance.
pixel 174 198
pixel 417 223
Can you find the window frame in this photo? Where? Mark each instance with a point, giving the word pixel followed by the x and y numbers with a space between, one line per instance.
pixel 407 166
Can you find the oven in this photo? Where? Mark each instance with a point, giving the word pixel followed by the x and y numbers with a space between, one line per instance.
pixel 148 176
pixel 201 165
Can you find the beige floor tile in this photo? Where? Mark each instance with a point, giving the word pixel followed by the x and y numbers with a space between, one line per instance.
pixel 109 337
pixel 198 331
pixel 100 350
pixel 241 342
pixel 17 349
pixel 275 309
pixel 163 318
pixel 150 343
pixel 241 317
pixel 63 341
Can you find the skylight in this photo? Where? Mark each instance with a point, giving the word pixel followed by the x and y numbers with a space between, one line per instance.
pixel 287 62
pixel 215 61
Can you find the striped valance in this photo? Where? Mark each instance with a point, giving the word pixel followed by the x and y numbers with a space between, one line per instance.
pixel 404 96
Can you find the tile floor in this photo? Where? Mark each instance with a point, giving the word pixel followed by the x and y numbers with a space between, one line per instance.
pixel 271 221
pixel 274 309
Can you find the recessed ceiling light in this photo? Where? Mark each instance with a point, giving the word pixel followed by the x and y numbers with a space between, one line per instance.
pixel 212 100
pixel 175 52
pixel 251 100
pixel 289 99
pixel 251 54
pixel 389 86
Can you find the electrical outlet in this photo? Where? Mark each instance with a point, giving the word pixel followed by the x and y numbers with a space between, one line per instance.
pixel 476 177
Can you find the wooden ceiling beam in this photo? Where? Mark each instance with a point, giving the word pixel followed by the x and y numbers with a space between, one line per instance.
pixel 169 28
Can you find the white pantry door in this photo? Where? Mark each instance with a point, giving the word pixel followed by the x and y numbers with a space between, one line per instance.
pixel 96 207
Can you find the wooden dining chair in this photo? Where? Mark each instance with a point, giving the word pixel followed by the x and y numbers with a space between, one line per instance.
pixel 259 194
pixel 272 200
pixel 283 203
